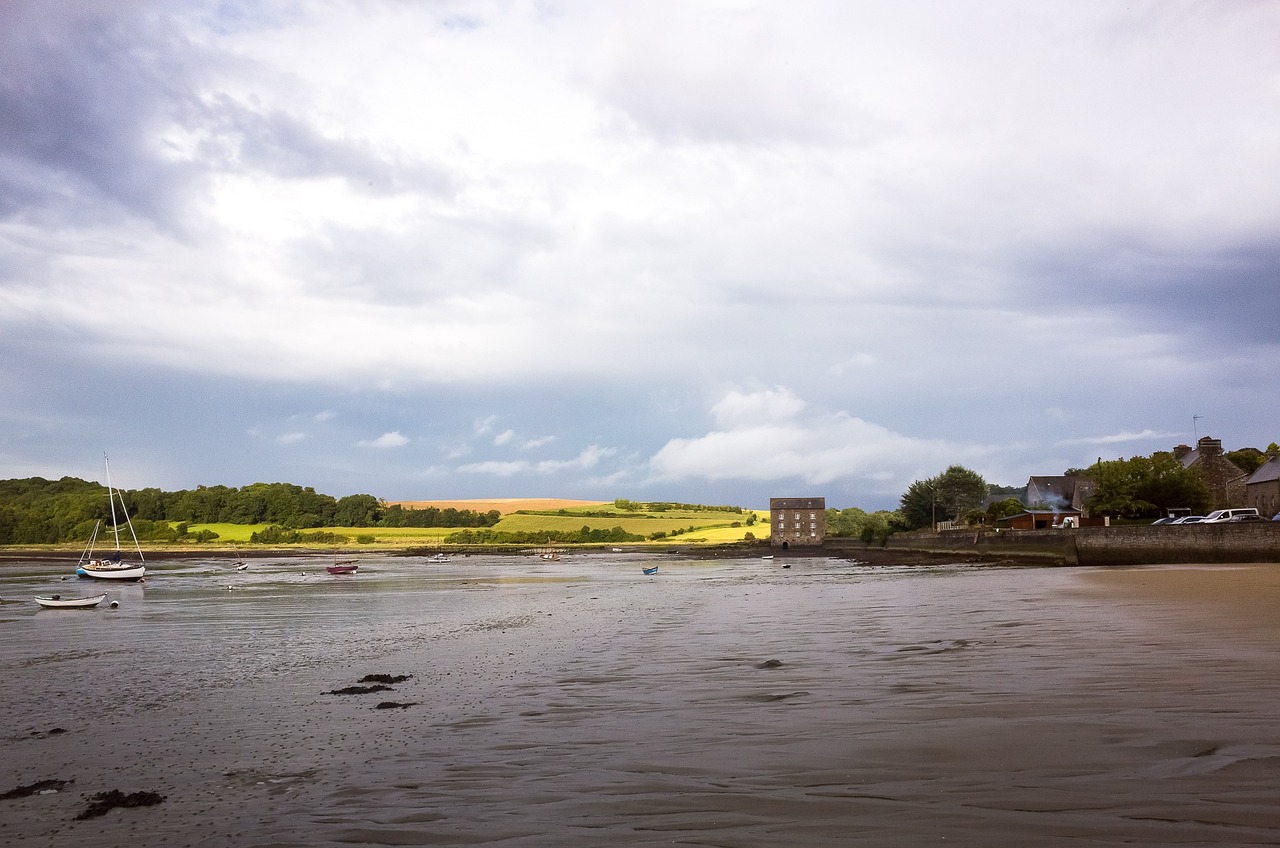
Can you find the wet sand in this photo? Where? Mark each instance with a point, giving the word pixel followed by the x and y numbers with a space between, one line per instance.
pixel 726 703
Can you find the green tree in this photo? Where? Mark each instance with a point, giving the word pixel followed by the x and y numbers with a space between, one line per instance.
pixel 357 511
pixel 1142 486
pixel 997 510
pixel 951 494
pixel 1247 460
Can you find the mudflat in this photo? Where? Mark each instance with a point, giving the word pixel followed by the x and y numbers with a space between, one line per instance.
pixel 733 702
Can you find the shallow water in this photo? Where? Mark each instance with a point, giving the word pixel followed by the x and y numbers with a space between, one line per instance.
pixel 722 703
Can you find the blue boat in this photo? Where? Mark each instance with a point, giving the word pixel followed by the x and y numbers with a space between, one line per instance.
pixel 653 570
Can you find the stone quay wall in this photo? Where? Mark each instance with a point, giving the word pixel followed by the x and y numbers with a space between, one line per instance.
pixel 1257 541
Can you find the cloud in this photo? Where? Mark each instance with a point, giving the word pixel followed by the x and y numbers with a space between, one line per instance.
pixel 1147 435
pixel 771 435
pixel 386 440
pixel 290 438
pixel 876 229
pixel 588 458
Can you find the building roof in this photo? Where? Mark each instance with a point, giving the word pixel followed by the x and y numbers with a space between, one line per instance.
pixel 1268 472
pixel 1061 490
pixel 797 503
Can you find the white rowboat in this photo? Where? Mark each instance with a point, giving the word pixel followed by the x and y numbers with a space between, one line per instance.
pixel 59 602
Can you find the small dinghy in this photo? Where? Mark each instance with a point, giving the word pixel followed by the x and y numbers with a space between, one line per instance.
pixel 59 602
pixel 653 570
pixel 342 568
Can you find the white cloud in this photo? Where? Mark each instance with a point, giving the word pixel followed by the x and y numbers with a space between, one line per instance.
pixel 740 409
pixel 504 437
pixel 589 457
pixel 1147 435
pixel 387 440
pixel 290 438
pixel 770 436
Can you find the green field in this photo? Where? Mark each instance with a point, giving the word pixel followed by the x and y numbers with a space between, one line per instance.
pixel 687 526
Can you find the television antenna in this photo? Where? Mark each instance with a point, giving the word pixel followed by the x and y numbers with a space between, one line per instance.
pixel 1194 429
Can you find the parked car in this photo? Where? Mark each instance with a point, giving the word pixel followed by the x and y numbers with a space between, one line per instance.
pixel 1188 519
pixel 1165 520
pixel 1255 517
pixel 1220 515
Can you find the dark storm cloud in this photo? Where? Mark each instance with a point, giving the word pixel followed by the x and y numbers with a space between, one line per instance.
pixel 83 89
pixel 1218 297
pixel 88 93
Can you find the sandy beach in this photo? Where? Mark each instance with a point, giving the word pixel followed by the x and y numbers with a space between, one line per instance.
pixel 722 703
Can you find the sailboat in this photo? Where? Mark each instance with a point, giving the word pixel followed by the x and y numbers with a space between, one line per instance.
pixel 111 566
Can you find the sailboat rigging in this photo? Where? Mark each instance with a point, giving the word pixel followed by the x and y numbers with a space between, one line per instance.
pixel 112 565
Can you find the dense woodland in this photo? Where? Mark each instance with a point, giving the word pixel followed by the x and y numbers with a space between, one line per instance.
pixel 39 511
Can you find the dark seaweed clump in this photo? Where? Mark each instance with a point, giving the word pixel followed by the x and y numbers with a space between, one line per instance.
pixel 33 788
pixel 360 690
pixel 395 705
pixel 104 802
pixel 385 678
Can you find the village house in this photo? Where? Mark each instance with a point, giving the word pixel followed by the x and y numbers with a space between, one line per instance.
pixel 797 522
pixel 1055 501
pixel 1262 490
pixel 1061 492
pixel 1226 479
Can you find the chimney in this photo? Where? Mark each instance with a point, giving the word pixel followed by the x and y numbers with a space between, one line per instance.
pixel 1181 450
pixel 1209 446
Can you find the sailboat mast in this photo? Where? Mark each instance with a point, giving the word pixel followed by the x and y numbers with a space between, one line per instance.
pixel 111 499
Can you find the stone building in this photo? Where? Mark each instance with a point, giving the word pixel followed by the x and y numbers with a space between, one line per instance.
pixel 797 522
pixel 1226 479
pixel 1060 493
pixel 1262 491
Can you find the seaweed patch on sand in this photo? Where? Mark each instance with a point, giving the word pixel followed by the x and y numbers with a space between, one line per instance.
pixel 39 787
pixel 360 690
pixel 105 802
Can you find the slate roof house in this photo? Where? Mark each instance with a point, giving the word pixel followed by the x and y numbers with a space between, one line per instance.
pixel 1226 479
pixel 1262 490
pixel 1056 501
pixel 1061 493
pixel 797 522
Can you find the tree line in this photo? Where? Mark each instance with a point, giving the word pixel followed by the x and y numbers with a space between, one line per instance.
pixel 1139 487
pixel 39 511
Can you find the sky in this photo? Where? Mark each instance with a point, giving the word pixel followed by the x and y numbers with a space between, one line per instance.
pixel 680 250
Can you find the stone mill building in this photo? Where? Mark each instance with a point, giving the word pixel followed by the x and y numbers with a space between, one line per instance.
pixel 797 522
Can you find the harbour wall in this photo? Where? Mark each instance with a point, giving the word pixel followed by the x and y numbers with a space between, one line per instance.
pixel 1125 545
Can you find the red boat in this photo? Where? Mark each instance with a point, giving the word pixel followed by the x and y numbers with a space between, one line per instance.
pixel 342 568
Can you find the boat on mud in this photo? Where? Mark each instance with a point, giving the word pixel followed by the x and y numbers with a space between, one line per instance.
pixel 59 602
pixel 112 566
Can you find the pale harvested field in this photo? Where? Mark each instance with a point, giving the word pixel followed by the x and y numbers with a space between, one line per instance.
pixel 502 505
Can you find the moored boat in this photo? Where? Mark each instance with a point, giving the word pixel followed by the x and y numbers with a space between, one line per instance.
pixel 653 570
pixel 438 558
pixel 112 566
pixel 59 602
pixel 342 568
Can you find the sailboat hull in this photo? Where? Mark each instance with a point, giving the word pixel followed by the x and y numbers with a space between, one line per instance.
pixel 112 572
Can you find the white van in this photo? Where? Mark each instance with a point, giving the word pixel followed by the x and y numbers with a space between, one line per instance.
pixel 1227 514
